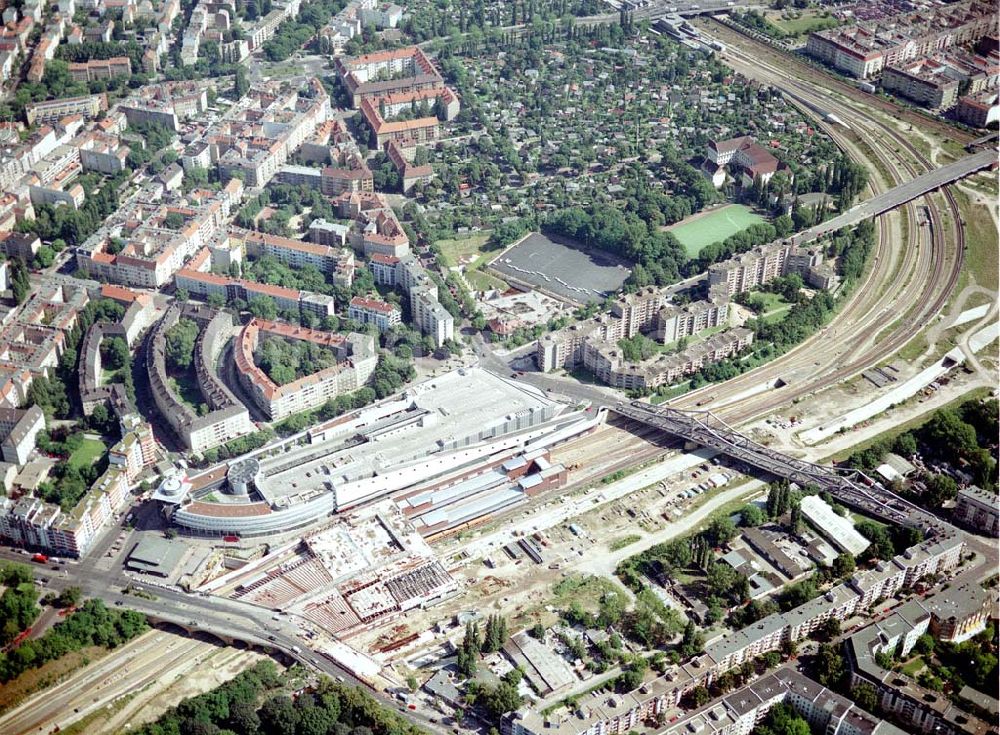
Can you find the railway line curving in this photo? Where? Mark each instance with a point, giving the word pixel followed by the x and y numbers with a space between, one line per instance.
pixel 879 318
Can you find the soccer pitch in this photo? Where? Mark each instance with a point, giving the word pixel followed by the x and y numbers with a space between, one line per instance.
pixel 699 230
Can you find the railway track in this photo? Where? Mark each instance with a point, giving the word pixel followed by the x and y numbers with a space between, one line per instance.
pixel 929 272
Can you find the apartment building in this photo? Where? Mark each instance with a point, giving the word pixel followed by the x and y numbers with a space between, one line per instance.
pixel 739 712
pixel 101 152
pixel 386 73
pixel 410 174
pixel 227 417
pixel 935 81
pixel 117 66
pixel 376 230
pixel 606 361
pixel 51 111
pixel 382 314
pixel 978 110
pixel 748 270
pixel 426 311
pixel 864 50
pixel 420 126
pixel 922 710
pixel 154 251
pixel 52 180
pixel 326 258
pixel 383 268
pixel 197 279
pixel 594 343
pixel 616 715
pixel 33 341
pixel 978 510
pixel 19 428
pixel 257 135
pixel 356 356
pixel 430 317
pixel 22 245
pixel 32 523
pixel 329 234
pixel 166 104
pixel 675 322
pixel 381 14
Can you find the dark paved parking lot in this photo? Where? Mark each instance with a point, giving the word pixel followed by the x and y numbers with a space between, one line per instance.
pixel 572 273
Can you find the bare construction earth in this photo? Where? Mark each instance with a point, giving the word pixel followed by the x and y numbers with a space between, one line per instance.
pixel 130 686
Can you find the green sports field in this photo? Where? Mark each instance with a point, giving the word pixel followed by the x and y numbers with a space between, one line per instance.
pixel 699 230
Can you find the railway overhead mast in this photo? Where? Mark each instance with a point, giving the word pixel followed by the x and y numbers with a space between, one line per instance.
pixel 850 487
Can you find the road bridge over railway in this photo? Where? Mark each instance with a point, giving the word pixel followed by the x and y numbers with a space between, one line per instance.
pixel 902 194
pixel 852 488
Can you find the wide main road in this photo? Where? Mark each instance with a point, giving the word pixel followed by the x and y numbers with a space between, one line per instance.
pixel 224 618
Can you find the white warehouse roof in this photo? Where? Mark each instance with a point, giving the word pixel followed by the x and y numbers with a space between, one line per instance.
pixel 838 530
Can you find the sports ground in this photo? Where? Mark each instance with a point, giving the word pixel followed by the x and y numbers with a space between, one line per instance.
pixel 704 228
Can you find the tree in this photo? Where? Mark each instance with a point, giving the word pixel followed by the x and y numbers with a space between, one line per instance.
pixel 865 696
pixel 751 515
pixel 241 83
pixel 114 351
pixel 537 631
pixel 496 634
pixel 19 284
pixel 831 628
pixel 263 307
pixel 844 565
pixel 692 642
pixel 924 644
pixel 278 716
pixel 700 696
pixel 721 531
pixel 70 597
pixel 881 542
pixel 829 666
pixel 940 489
pixel 173 221
pixel 783 720
pixel 243 717
pixel 180 341
pixel 467 658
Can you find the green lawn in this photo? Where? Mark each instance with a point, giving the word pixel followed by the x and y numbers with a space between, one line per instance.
pixel 87 453
pixel 584 589
pixel 460 249
pixel 981 257
pixel 912 667
pixel 665 394
pixel 187 389
pixel 807 22
pixel 484 281
pixel 775 306
pixel 699 230
pixel 621 543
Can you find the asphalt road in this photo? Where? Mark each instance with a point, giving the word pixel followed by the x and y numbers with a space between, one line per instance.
pixel 224 618
pixel 902 194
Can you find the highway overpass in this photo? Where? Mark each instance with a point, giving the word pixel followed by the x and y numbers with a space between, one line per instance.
pixel 899 195
pixel 854 488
